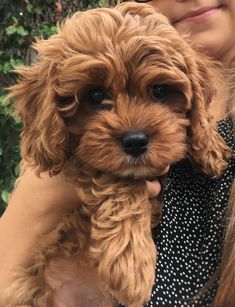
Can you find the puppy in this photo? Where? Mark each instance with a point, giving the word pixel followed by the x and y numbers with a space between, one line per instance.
pixel 112 99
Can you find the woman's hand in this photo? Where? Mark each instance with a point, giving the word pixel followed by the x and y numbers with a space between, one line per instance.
pixel 154 187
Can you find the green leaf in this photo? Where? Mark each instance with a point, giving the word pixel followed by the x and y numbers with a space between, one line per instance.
pixel 29 7
pixel 7 67
pixel 15 20
pixel 12 61
pixel 15 62
pixel 1 99
pixel 54 30
pixel 38 10
pixel 18 62
pixel 22 31
pixel 11 30
pixel 103 2
pixel 5 196
pixel 17 170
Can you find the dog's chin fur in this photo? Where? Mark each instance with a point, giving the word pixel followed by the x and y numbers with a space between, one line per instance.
pixel 125 52
pixel 138 172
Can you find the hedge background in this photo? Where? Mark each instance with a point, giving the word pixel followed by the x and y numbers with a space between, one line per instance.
pixel 21 21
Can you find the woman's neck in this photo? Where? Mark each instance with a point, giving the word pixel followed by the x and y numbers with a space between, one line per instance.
pixel 224 102
pixel 227 59
pixel 218 107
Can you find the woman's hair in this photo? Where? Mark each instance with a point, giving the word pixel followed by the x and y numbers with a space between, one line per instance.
pixel 226 291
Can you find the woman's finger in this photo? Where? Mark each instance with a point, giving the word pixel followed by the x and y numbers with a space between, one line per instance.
pixel 153 188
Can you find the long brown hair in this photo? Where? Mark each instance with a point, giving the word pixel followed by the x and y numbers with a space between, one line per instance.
pixel 226 292
pixel 225 296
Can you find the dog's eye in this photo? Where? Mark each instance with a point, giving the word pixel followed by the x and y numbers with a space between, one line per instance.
pixel 63 101
pixel 159 92
pixel 97 95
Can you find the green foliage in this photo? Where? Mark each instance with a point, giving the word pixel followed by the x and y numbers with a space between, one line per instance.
pixel 21 22
pixel 9 152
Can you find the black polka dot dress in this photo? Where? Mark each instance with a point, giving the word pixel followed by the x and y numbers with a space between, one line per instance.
pixel 189 238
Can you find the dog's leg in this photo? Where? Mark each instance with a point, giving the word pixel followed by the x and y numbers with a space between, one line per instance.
pixel 121 239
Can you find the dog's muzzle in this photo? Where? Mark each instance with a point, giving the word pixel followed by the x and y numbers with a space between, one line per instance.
pixel 134 143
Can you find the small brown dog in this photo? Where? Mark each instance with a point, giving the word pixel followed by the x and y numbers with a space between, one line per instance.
pixel 112 99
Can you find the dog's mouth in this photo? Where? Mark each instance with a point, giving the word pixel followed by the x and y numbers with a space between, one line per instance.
pixel 146 161
pixel 136 172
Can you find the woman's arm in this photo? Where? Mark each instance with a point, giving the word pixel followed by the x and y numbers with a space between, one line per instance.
pixel 35 208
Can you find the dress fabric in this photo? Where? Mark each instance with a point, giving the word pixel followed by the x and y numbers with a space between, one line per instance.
pixel 189 238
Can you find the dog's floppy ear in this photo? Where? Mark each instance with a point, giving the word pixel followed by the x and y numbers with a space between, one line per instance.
pixel 44 135
pixel 207 148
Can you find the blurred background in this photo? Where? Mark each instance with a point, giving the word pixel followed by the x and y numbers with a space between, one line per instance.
pixel 21 22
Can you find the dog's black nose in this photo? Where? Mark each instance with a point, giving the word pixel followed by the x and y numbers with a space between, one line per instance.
pixel 135 143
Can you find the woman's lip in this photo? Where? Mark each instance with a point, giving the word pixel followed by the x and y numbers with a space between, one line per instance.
pixel 198 15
